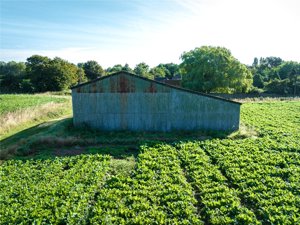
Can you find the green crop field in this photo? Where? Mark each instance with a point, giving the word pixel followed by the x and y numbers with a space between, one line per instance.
pixel 240 178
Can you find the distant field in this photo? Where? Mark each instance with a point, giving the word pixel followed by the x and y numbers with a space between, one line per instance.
pixel 13 103
pixel 247 177
pixel 18 112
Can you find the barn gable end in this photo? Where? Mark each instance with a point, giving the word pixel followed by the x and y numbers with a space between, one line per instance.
pixel 124 101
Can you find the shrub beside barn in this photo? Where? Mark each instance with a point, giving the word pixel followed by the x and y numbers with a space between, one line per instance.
pixel 124 101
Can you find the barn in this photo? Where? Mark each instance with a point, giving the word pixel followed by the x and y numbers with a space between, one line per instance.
pixel 124 101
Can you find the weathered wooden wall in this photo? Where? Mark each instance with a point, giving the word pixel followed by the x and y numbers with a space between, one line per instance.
pixel 126 102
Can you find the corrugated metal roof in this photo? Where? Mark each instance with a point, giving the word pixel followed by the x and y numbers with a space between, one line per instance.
pixel 160 83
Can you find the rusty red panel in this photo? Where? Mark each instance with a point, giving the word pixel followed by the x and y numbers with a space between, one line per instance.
pixel 152 88
pixel 124 86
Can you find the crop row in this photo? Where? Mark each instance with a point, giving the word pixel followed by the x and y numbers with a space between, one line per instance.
pixel 219 204
pixel 268 180
pixel 156 193
pixel 277 122
pixel 56 191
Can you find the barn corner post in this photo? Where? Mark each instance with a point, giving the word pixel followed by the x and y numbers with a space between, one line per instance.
pixel 126 101
pixel 74 109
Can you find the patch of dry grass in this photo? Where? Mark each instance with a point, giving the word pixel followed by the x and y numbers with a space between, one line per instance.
pixel 245 131
pixel 53 141
pixel 11 120
pixel 265 99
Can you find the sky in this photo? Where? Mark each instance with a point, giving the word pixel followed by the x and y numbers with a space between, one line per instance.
pixel 154 31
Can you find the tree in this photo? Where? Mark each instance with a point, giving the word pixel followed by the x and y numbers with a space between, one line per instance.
pixel 258 81
pixel 290 70
pixel 62 74
pixel 255 62
pixel 173 69
pixel 214 69
pixel 159 71
pixel 142 69
pixel 114 69
pixel 52 75
pixel 92 69
pixel 36 67
pixel 278 86
pixel 127 68
pixel 81 75
pixel 11 76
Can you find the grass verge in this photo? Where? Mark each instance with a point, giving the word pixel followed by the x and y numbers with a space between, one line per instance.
pixel 16 121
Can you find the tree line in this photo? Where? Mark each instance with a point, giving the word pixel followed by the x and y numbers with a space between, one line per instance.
pixel 206 69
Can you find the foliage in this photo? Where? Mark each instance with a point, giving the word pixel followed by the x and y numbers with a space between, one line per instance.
pixel 159 71
pixel 12 69
pixel 115 68
pixel 156 193
pixel 142 69
pixel 172 68
pixel 227 181
pixel 12 74
pixel 92 69
pixel 118 68
pixel 220 203
pixel 127 68
pixel 206 69
pixel 56 191
pixel 51 75
pixel 168 70
pixel 214 69
pixel 278 86
pixel 276 76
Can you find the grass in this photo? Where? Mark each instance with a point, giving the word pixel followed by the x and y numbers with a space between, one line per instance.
pixel 42 133
pixel 265 99
pixel 59 137
pixel 12 103
pixel 18 112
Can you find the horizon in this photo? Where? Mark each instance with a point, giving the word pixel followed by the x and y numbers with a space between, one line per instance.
pixel 119 32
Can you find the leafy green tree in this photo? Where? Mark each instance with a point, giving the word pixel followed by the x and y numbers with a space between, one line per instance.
pixel 265 69
pixel 36 67
pixel 11 76
pixel 278 86
pixel 81 75
pixel 51 75
pixel 142 69
pixel 62 74
pixel 258 81
pixel 92 69
pixel 290 70
pixel 159 71
pixel 270 61
pixel 255 62
pixel 168 70
pixel 173 69
pixel 116 68
pixel 127 68
pixel 214 69
pixel 12 68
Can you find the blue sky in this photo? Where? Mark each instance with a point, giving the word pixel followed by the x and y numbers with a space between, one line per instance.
pixel 158 31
